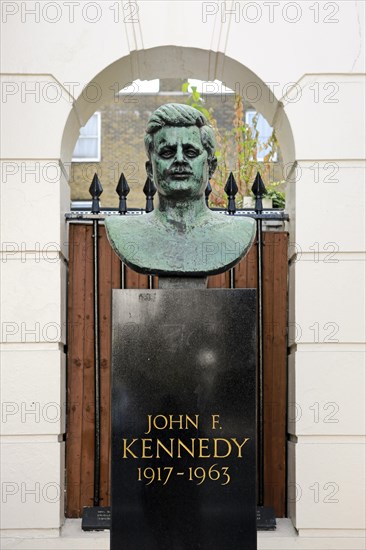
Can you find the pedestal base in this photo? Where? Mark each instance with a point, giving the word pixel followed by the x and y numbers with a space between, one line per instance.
pixel 183 420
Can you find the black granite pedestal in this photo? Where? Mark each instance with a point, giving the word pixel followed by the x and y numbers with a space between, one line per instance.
pixel 183 420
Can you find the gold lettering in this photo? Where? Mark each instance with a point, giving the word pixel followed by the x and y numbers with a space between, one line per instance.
pixel 194 423
pixel 165 422
pixel 240 446
pixel 148 424
pixel 203 447
pixel 216 452
pixel 160 444
pixel 179 422
pixel 189 451
pixel 215 420
pixel 217 447
pixel 146 446
pixel 127 449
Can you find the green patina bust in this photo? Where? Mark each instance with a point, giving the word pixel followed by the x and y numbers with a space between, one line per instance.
pixel 182 236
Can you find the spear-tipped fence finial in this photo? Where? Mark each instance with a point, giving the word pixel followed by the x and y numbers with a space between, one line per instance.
pixel 122 190
pixel 149 190
pixel 259 190
pixel 231 190
pixel 95 190
pixel 208 192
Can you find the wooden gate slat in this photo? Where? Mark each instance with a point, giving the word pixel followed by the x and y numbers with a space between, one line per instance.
pixel 76 299
pixel 87 447
pixel 109 277
pixel 246 270
pixel 218 281
pixel 276 380
pixel 135 280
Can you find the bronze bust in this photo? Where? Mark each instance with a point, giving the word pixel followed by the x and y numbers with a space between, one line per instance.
pixel 182 236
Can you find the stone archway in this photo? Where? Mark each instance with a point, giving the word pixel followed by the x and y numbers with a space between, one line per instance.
pixel 190 62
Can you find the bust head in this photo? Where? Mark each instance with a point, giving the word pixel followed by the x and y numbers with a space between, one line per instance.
pixel 181 149
pixel 182 236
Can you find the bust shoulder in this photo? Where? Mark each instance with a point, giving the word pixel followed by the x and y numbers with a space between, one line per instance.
pixel 212 246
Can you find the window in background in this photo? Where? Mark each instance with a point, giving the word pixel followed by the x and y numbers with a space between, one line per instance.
pixel 265 132
pixel 87 147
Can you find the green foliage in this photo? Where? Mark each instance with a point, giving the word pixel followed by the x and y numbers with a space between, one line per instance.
pixel 277 196
pixel 237 152
pixel 195 100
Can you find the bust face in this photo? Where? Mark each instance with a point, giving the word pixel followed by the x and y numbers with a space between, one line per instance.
pixel 179 162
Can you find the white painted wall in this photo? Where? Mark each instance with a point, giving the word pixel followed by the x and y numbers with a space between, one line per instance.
pixel 301 64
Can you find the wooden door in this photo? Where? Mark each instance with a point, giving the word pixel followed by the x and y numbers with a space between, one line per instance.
pixel 80 371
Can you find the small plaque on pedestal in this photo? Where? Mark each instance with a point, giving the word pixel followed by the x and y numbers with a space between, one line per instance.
pixel 96 518
pixel 266 518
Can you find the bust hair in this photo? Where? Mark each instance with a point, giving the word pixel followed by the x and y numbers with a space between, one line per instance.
pixel 179 114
